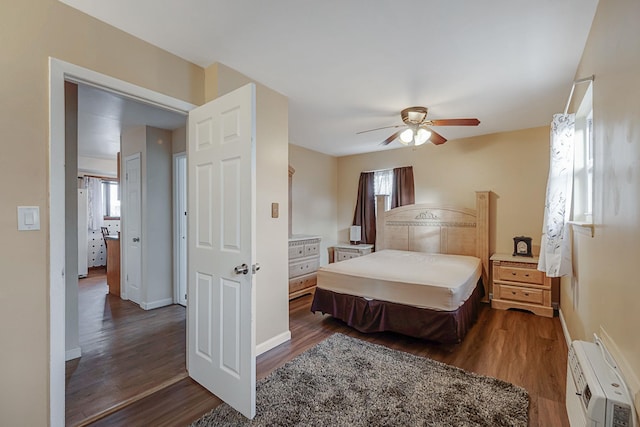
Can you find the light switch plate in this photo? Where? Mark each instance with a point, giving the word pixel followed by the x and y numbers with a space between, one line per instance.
pixel 275 210
pixel 28 218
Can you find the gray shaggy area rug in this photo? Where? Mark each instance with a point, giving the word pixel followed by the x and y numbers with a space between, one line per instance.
pixel 344 381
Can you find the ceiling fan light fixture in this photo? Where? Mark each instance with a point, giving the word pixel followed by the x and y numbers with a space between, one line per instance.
pixel 422 136
pixel 416 116
pixel 406 136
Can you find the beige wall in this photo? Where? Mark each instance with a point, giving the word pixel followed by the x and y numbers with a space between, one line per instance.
pixel 315 196
pixel 603 296
pixel 514 165
pixel 272 135
pixel 157 220
pixel 72 328
pixel 31 32
pixel 179 140
pixel 154 147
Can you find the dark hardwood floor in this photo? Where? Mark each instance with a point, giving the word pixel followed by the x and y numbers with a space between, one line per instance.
pixel 125 350
pixel 518 347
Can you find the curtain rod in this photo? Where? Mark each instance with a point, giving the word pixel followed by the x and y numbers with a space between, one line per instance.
pixel 102 177
pixel 378 170
pixel 575 82
pixel 386 169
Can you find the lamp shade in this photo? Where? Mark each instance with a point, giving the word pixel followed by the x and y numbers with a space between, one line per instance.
pixel 355 233
pixel 422 136
pixel 406 136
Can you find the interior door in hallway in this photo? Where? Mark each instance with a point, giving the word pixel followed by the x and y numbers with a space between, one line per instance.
pixel 132 271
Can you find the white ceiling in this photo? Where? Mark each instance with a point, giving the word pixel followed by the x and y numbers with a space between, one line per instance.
pixel 348 66
pixel 102 116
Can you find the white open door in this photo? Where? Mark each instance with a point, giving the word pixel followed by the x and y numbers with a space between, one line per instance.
pixel 132 229
pixel 221 240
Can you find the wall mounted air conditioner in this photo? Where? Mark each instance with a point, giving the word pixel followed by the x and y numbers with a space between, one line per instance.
pixel 595 395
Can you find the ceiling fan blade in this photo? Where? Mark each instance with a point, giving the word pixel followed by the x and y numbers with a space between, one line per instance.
pixel 436 138
pixel 386 127
pixel 391 138
pixel 454 122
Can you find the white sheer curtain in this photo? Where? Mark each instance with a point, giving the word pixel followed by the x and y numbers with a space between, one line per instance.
pixel 383 184
pixel 555 248
pixel 94 198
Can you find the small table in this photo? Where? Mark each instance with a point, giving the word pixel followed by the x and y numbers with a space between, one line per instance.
pixel 517 283
pixel 341 252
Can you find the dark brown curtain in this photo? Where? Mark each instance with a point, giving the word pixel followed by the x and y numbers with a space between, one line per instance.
pixel 403 192
pixel 365 213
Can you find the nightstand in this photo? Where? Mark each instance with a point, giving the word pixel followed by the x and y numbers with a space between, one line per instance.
pixel 342 252
pixel 517 283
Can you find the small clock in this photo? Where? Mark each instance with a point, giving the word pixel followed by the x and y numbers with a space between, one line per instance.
pixel 522 246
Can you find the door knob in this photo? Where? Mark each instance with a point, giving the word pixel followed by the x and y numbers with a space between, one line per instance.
pixel 136 239
pixel 241 269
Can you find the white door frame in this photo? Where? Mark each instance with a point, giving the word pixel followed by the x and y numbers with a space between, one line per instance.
pixel 179 194
pixel 59 71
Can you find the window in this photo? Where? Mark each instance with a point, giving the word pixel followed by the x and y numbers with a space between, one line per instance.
pixel 110 199
pixel 583 161
pixel 383 184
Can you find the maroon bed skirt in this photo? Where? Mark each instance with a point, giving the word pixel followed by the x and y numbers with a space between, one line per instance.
pixel 380 316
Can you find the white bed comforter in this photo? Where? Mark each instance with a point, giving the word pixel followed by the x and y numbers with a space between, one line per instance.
pixel 435 281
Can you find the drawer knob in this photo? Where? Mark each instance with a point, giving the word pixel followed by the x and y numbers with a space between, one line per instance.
pixel 526 294
pixel 513 273
pixel 526 275
pixel 513 292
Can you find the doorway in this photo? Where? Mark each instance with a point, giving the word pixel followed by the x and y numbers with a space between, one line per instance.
pixel 59 73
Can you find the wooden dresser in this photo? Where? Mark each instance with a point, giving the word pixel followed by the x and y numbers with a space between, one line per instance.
pixel 304 260
pixel 342 252
pixel 517 283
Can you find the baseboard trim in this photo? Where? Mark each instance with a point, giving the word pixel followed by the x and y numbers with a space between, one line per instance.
pixel 156 304
pixel 74 353
pixel 565 330
pixel 273 342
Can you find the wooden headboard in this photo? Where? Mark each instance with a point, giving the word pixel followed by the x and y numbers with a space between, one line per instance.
pixel 437 229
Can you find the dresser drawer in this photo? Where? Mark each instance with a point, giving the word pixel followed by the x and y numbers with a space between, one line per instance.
pixel 296 250
pixel 303 267
pixel 303 282
pixel 516 293
pixel 518 274
pixel 311 249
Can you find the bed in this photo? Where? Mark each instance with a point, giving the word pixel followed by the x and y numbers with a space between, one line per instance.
pixel 426 279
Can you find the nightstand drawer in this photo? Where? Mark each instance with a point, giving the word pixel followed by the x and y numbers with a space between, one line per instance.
pixel 342 255
pixel 516 293
pixel 516 274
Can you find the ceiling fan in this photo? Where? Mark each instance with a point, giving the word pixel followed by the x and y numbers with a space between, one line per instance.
pixel 418 127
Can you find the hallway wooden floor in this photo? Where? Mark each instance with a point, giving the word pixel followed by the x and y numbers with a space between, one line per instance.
pixel 521 348
pixel 125 350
